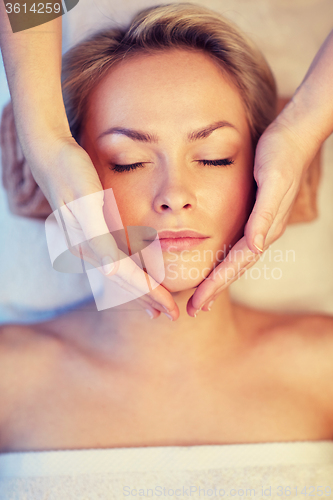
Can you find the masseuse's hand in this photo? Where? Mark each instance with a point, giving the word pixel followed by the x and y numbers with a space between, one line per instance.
pixel 283 154
pixel 65 173
pixel 278 182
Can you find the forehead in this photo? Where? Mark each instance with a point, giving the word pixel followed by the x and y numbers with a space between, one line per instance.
pixel 175 86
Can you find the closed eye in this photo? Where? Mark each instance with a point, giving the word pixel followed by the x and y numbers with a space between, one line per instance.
pixel 126 168
pixel 217 163
pixel 132 166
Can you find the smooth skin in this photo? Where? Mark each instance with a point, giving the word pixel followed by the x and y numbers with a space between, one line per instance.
pixel 61 167
pixel 65 172
pixel 115 378
pixel 166 181
pixel 297 133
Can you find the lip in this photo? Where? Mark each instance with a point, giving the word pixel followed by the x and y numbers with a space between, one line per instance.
pixel 180 240
pixel 187 233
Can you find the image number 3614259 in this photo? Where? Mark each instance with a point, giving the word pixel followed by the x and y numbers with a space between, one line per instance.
pixel 26 14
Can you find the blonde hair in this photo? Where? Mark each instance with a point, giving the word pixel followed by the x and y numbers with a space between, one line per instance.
pixel 181 25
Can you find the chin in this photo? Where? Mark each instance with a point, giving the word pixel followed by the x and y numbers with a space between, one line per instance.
pixel 179 279
pixel 178 286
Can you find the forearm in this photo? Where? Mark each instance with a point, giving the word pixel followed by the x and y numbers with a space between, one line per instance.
pixel 32 60
pixel 310 112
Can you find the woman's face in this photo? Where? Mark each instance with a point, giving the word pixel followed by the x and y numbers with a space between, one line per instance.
pixel 168 133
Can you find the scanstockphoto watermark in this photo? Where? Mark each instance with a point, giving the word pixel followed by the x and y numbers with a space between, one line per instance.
pixel 195 491
pixel 186 491
pixel 187 265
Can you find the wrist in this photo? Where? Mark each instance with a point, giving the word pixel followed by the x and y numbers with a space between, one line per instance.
pixel 46 161
pixel 40 149
pixel 304 122
pixel 309 115
pixel 43 136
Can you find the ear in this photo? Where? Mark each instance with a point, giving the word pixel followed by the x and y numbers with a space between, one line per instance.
pixel 305 206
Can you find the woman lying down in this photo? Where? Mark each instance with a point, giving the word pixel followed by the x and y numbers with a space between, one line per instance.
pixel 170 111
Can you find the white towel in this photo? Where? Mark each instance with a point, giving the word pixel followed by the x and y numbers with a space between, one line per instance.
pixel 294 469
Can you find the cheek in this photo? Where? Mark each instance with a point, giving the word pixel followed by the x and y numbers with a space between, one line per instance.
pixel 230 205
pixel 129 196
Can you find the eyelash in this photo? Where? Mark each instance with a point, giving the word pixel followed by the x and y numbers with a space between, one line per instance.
pixel 218 163
pixel 133 166
pixel 126 168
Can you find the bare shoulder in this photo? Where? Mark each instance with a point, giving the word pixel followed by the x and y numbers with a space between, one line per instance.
pixel 309 337
pixel 25 355
pixel 311 332
pixel 314 324
pixel 289 327
pixel 297 347
pixel 19 340
pixel 314 334
pixel 306 343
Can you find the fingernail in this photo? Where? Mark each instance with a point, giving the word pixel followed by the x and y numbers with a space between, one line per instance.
pixel 259 242
pixel 150 314
pixel 170 317
pixel 167 310
pixel 210 305
pixel 108 265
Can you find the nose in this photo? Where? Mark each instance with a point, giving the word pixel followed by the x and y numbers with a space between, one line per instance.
pixel 175 193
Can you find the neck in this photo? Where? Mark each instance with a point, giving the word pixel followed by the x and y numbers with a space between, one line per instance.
pixel 128 336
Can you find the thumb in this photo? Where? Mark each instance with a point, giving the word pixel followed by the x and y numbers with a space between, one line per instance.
pixel 270 194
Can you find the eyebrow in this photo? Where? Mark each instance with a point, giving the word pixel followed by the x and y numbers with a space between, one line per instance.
pixel 137 135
